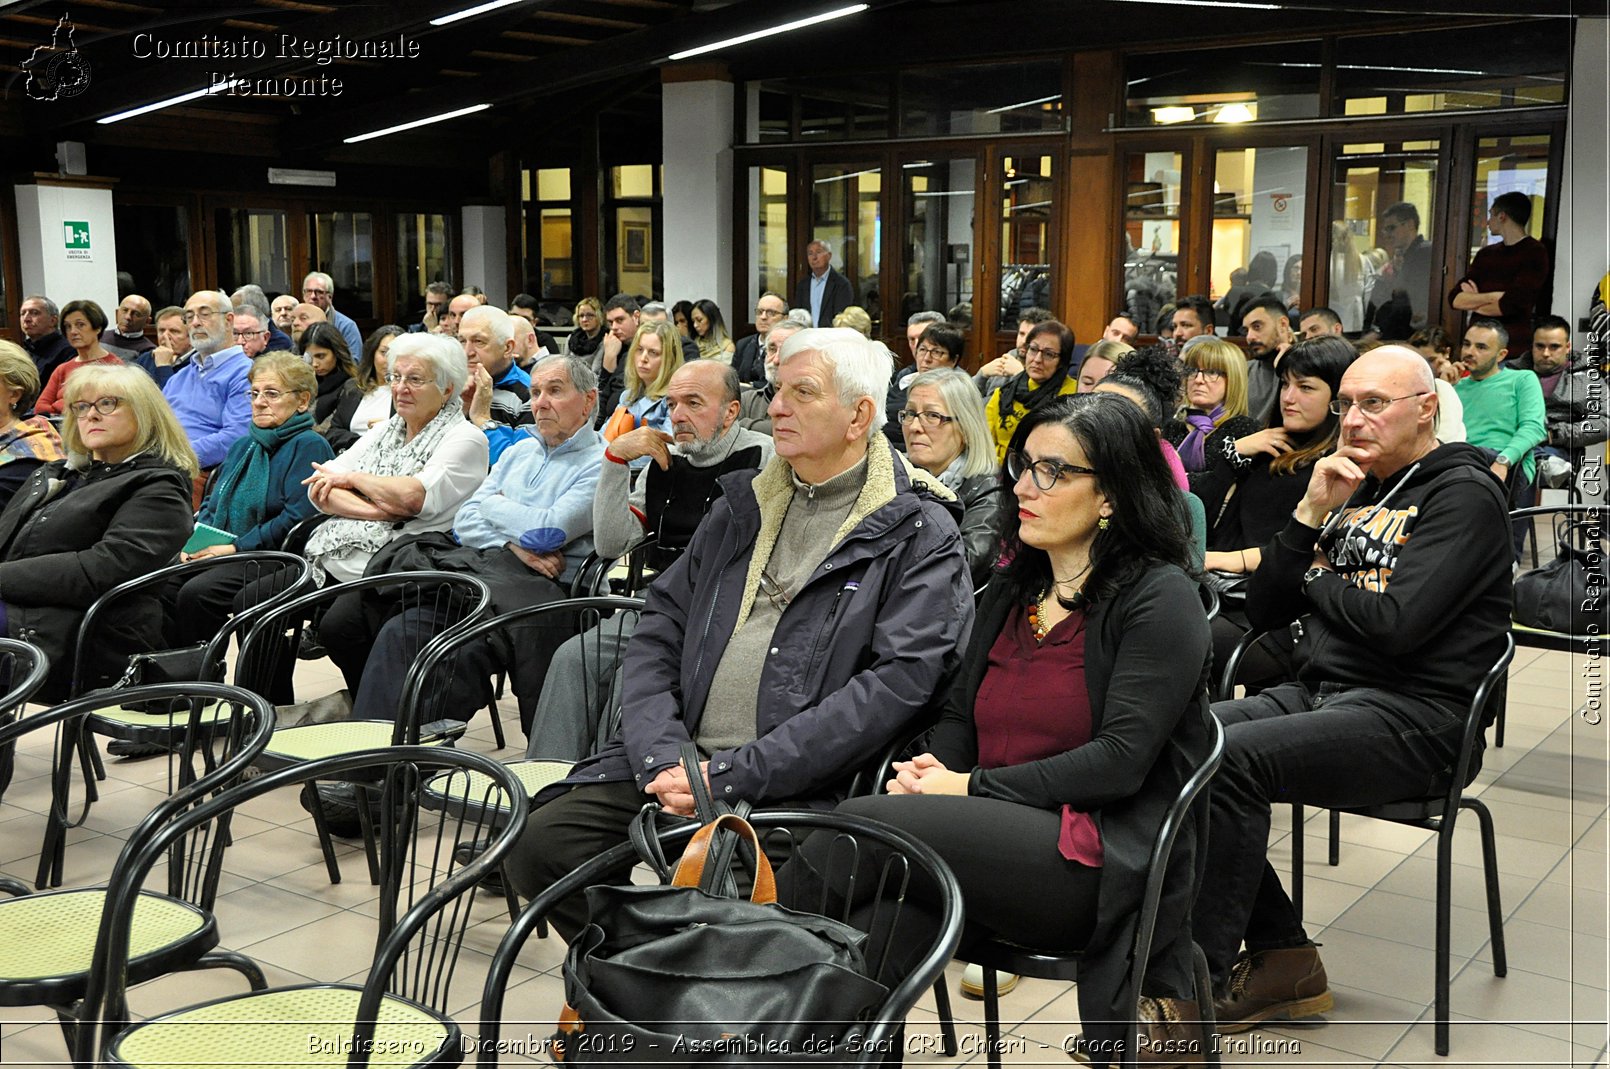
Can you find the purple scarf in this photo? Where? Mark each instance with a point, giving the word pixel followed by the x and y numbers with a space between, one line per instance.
pixel 1191 449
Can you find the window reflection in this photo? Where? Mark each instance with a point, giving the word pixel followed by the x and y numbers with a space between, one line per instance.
pixel 1027 209
pixel 341 244
pixel 768 233
pixel 1381 259
pixel 939 235
pixel 1153 199
pixel 1258 206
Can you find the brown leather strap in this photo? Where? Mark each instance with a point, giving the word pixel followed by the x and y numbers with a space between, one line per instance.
pixel 690 870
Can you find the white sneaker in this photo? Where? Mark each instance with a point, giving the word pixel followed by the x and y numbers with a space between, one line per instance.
pixel 972 985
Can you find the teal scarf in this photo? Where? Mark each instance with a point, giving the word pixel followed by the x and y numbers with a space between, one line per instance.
pixel 241 498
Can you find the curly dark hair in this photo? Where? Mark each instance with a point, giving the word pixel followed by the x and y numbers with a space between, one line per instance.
pixel 1155 374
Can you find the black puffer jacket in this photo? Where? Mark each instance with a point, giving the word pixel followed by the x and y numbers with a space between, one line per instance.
pixel 77 529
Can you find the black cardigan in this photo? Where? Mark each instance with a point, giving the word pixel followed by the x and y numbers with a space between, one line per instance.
pixel 1147 660
pixel 71 535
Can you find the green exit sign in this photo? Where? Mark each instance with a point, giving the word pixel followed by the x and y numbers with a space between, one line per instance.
pixel 76 233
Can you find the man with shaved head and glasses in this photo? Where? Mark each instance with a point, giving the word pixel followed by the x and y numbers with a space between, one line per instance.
pixel 1397 563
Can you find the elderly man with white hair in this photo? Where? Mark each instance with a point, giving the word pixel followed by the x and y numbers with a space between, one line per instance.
pixel 318 289
pixel 500 389
pixel 1397 560
pixel 810 621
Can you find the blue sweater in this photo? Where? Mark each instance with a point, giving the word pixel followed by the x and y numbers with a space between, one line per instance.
pixel 540 499
pixel 210 401
pixel 288 503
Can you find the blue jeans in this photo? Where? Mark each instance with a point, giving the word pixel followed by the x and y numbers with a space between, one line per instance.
pixel 1327 746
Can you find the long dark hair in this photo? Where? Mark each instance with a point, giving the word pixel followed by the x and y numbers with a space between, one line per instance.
pixel 1149 523
pixel 327 336
pixel 1325 358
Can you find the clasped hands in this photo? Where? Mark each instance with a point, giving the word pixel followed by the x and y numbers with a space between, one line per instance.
pixel 926 774
pixel 674 792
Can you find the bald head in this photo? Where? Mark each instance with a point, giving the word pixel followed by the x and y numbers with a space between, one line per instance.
pixel 703 403
pixel 1398 382
pixel 304 316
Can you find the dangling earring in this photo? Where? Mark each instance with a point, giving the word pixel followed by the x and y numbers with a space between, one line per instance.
pixel 1103 523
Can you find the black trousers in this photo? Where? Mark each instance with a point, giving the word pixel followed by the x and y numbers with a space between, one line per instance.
pixel 1329 746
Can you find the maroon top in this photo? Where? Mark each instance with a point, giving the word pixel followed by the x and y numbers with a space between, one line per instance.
pixel 1520 270
pixel 1033 704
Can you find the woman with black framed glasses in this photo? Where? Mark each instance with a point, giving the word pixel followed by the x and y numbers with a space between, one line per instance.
pixel 945 435
pixel 1047 352
pixel 1214 417
pixel 1079 711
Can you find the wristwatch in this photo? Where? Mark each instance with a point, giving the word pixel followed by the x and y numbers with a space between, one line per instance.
pixel 1311 574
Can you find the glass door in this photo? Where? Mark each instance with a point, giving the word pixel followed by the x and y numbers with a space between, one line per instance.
pixel 846 211
pixel 937 241
pixel 1384 269
pixel 1027 214
pixel 1151 257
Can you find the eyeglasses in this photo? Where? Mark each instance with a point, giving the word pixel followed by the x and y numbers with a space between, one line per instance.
pixel 314 293
pixel 768 313
pixel 1045 473
pixel 249 333
pixel 271 396
pixel 104 405
pixel 1043 354
pixel 931 421
pixel 773 591
pixel 934 352
pixel 200 313
pixel 1370 406
pixel 413 382
pixel 1206 374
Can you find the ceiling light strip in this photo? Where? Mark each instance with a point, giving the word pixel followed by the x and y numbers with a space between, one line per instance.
pixel 471 12
pixel 218 87
pixel 798 24
pixel 400 127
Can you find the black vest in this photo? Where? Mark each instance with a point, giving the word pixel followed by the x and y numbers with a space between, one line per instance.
pixel 676 499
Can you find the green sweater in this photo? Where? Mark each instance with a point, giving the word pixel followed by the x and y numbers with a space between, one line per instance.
pixel 1504 411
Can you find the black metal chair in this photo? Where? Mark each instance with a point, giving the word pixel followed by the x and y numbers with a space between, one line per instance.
pixel 1435 813
pixel 998 956
pixel 425 907
pixel 175 930
pixel 874 1038
pixel 23 668
pixel 434 606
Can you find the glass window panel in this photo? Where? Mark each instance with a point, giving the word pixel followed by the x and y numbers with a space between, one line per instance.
pixel 341 244
pixel 1258 204
pixel 1027 209
pixel 768 232
pixel 775 116
pixel 847 213
pixel 1223 85
pixel 253 247
pixel 153 253
pixel 636 252
pixel 832 107
pixel 1515 65
pixel 633 181
pixel 1154 192
pixel 939 235
pixel 553 183
pixel 997 98
pixel 423 254
pixel 1382 264
pixel 1508 165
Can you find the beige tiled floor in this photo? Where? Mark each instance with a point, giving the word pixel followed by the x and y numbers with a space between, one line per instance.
pixel 1372 912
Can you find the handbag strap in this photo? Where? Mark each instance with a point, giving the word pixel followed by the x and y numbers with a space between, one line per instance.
pixel 690 870
pixel 719 879
pixel 643 831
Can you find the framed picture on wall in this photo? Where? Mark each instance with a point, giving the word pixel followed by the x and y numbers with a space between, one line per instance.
pixel 636 253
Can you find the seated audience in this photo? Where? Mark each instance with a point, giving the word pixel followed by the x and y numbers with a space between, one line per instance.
pixel 325 349
pixel 710 332
pixel 259 494
pixel 125 335
pixel 622 317
pixel 994 374
pixel 25 443
pixel 208 394
pixel 408 475
pixel 855 318
pixel 664 508
pixel 589 332
pixel 652 360
pixel 1397 561
pixel 487 334
pixel 1047 353
pixel 115 509
pixel 82 323
pixel 366 399
pixel 304 316
pixel 1099 360
pixel 946 436
pixel 524 531
pixel 655 312
pixel 1214 417
pixel 836 528
pixel 754 407
pixel 749 357
pixel 42 339
pixel 939 345
pixel 1574 400
pixel 1266 322
pixel 1079 712
pixel 682 318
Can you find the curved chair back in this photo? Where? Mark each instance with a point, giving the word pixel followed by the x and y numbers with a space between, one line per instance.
pixel 427 887
pixel 23 668
pixel 907 854
pixel 296 574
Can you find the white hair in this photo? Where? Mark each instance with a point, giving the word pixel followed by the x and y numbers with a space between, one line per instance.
pixel 497 321
pixel 826 245
pixel 861 367
pixel 320 276
pixel 445 356
pixel 955 388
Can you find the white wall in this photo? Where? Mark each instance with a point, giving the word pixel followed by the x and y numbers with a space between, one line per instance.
pixel 1582 250
pixel 48 266
pixel 698 195
pixel 486 262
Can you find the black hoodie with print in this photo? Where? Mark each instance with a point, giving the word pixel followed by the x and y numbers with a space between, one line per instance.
pixel 1420 598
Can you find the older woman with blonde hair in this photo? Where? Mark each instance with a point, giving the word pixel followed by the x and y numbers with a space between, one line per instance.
pixel 1214 415
pixel 654 357
pixel 118 507
pixel 946 435
pixel 24 443
pixel 856 318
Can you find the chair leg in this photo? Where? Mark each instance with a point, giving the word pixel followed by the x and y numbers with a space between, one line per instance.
pixel 229 959
pixel 1444 924
pixel 1297 858
pixel 1489 864
pixel 1335 838
pixel 992 1020
pixel 947 1023
pixel 371 847
pixel 326 847
pixel 1204 1004
pixel 1500 707
pixel 497 725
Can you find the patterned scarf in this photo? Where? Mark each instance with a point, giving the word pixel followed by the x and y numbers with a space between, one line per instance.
pixel 32 439
pixel 394 454
pixel 1191 449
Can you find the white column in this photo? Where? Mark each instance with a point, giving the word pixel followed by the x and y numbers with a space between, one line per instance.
pixel 486 254
pixel 697 120
pixel 67 244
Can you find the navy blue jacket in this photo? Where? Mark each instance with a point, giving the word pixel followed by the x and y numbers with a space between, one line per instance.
pixel 288 502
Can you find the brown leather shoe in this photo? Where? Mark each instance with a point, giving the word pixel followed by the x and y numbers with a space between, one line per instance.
pixel 1170 1034
pixel 1286 984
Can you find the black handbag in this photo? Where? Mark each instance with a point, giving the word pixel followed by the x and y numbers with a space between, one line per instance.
pixel 1568 594
pixel 681 975
pixel 183 665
